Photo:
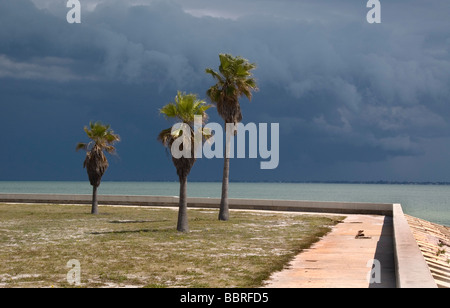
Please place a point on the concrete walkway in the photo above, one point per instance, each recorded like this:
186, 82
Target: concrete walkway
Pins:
339, 260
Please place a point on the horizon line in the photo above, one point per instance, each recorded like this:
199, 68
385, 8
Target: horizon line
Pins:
378, 182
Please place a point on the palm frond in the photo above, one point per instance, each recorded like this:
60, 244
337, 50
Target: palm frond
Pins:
185, 107
82, 146
169, 110
96, 165
165, 137
214, 74
110, 149
111, 138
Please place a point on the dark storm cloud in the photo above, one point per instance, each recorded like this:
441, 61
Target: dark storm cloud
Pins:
344, 91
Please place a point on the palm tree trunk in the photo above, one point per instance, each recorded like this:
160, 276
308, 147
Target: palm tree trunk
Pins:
94, 200
183, 225
224, 208
224, 213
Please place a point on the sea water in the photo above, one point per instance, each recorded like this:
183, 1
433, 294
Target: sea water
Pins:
429, 202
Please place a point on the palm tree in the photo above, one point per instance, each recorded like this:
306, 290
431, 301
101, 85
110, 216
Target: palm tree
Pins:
102, 139
184, 109
234, 79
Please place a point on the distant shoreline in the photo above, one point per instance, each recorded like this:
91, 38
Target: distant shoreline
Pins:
380, 182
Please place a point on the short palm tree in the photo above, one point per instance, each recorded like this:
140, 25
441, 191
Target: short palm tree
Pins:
102, 139
184, 109
234, 80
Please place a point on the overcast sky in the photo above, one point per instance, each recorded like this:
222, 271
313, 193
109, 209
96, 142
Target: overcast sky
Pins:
355, 101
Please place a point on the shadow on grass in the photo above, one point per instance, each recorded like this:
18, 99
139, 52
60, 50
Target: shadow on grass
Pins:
132, 231
134, 221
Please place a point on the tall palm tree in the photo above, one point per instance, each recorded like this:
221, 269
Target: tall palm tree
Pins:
234, 80
184, 109
102, 139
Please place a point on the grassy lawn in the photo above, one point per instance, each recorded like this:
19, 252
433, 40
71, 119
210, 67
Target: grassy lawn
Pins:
140, 247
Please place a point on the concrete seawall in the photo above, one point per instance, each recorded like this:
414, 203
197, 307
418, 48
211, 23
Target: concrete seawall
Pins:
411, 269
410, 266
249, 204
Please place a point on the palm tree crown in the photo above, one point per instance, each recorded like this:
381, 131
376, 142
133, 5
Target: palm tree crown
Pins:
102, 139
234, 79
184, 109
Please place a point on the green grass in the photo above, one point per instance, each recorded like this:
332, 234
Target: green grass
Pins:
140, 247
